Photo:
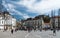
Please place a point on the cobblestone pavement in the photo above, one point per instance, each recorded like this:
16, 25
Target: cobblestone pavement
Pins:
32, 34
18, 34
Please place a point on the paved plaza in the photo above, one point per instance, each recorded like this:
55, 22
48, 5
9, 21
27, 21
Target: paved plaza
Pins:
32, 34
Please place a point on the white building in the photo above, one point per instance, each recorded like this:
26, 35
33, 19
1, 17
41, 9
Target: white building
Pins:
7, 21
55, 21
13, 23
37, 22
1, 23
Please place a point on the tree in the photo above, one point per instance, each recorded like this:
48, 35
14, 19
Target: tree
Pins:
46, 19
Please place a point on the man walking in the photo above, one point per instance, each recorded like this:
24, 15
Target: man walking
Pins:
12, 31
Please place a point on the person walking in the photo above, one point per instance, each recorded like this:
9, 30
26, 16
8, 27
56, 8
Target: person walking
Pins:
54, 32
12, 31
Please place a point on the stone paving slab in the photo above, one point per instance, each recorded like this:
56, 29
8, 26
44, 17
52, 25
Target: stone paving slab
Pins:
32, 34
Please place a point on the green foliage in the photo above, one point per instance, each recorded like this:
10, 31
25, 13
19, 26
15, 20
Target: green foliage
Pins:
46, 19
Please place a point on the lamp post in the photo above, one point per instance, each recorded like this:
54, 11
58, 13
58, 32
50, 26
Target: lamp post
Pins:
58, 19
41, 24
53, 22
4, 21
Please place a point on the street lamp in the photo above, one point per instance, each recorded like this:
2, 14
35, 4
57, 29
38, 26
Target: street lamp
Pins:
4, 21
58, 19
41, 24
53, 22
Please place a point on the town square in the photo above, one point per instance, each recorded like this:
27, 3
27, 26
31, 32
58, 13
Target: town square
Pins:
29, 18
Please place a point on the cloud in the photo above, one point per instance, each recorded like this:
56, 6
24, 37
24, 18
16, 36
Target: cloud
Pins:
42, 6
16, 12
13, 11
34, 7
21, 14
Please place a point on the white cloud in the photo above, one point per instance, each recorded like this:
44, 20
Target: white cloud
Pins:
11, 6
16, 12
21, 14
25, 16
8, 6
11, 9
40, 7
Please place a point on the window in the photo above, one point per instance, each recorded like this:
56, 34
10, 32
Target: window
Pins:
2, 22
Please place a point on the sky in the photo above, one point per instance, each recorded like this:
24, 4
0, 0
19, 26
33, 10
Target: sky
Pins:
23, 9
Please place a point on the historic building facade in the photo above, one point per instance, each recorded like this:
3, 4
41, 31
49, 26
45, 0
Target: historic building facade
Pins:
7, 21
36, 22
56, 21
